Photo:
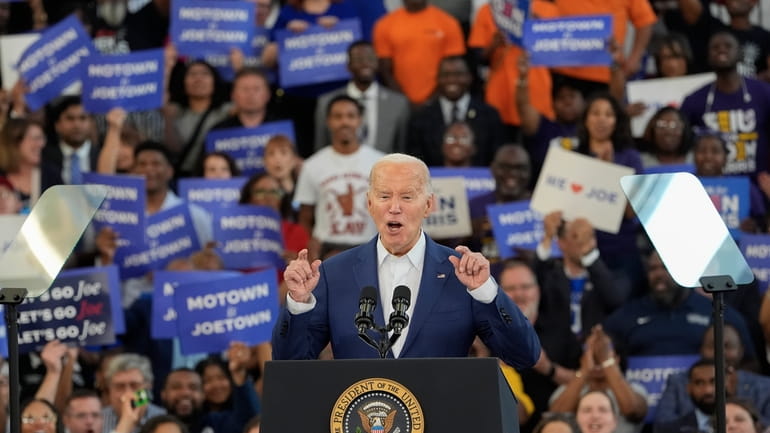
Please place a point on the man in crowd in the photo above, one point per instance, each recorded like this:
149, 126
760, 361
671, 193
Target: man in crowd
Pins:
454, 103
126, 374
331, 188
385, 112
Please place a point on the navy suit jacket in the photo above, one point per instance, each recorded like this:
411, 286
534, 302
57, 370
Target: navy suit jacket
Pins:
444, 322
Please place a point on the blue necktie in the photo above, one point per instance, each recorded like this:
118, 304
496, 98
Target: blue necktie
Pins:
76, 175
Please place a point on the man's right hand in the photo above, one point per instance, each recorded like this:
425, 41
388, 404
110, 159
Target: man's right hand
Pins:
301, 277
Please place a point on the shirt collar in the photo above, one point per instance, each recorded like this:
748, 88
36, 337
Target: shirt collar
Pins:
369, 93
462, 104
416, 255
82, 151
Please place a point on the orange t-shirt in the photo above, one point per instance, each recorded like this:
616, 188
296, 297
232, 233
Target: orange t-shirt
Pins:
504, 73
416, 43
638, 12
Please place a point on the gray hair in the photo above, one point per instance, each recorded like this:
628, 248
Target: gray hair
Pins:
402, 158
129, 361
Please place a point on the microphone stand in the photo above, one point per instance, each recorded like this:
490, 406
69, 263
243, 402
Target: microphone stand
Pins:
384, 343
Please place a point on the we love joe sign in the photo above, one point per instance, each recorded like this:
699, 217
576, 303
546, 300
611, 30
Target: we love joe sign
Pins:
581, 186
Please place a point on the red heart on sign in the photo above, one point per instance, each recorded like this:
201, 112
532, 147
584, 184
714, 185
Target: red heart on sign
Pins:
576, 187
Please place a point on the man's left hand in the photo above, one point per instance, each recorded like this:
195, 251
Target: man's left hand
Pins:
472, 269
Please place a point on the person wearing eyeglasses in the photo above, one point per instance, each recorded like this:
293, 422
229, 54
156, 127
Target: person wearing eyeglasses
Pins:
667, 139
39, 416
264, 190
458, 145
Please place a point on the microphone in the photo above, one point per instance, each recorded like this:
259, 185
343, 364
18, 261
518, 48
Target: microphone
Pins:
401, 300
367, 302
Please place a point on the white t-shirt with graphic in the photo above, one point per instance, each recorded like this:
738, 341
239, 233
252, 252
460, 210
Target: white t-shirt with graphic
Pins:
336, 185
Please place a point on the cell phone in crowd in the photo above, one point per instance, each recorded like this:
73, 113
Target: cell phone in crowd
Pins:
141, 398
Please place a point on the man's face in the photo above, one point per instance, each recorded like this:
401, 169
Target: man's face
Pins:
155, 168
362, 63
183, 393
250, 94
701, 388
733, 346
568, 104
739, 8
662, 287
519, 284
511, 170
343, 121
72, 127
123, 382
453, 79
83, 415
723, 52
398, 202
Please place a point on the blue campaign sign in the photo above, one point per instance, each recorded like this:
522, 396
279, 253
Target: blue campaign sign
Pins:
478, 180
316, 55
165, 283
247, 145
516, 226
200, 27
575, 41
756, 251
510, 16
113, 282
249, 237
54, 61
123, 209
670, 168
251, 58
651, 373
77, 308
133, 82
211, 193
730, 195
170, 234
236, 309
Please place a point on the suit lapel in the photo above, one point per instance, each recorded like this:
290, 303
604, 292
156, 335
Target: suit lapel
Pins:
435, 273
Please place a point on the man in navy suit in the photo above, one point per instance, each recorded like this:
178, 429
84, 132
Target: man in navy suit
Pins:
454, 296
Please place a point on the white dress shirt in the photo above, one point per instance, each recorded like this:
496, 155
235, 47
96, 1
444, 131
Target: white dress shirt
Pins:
84, 157
462, 108
367, 98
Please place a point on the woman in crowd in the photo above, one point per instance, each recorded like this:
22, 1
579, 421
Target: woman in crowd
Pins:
667, 139
219, 165
39, 416
199, 106
596, 413
458, 146
283, 164
229, 396
741, 417
264, 190
600, 374
673, 56
604, 132
21, 144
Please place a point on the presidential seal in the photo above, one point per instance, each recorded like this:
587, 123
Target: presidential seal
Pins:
377, 405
